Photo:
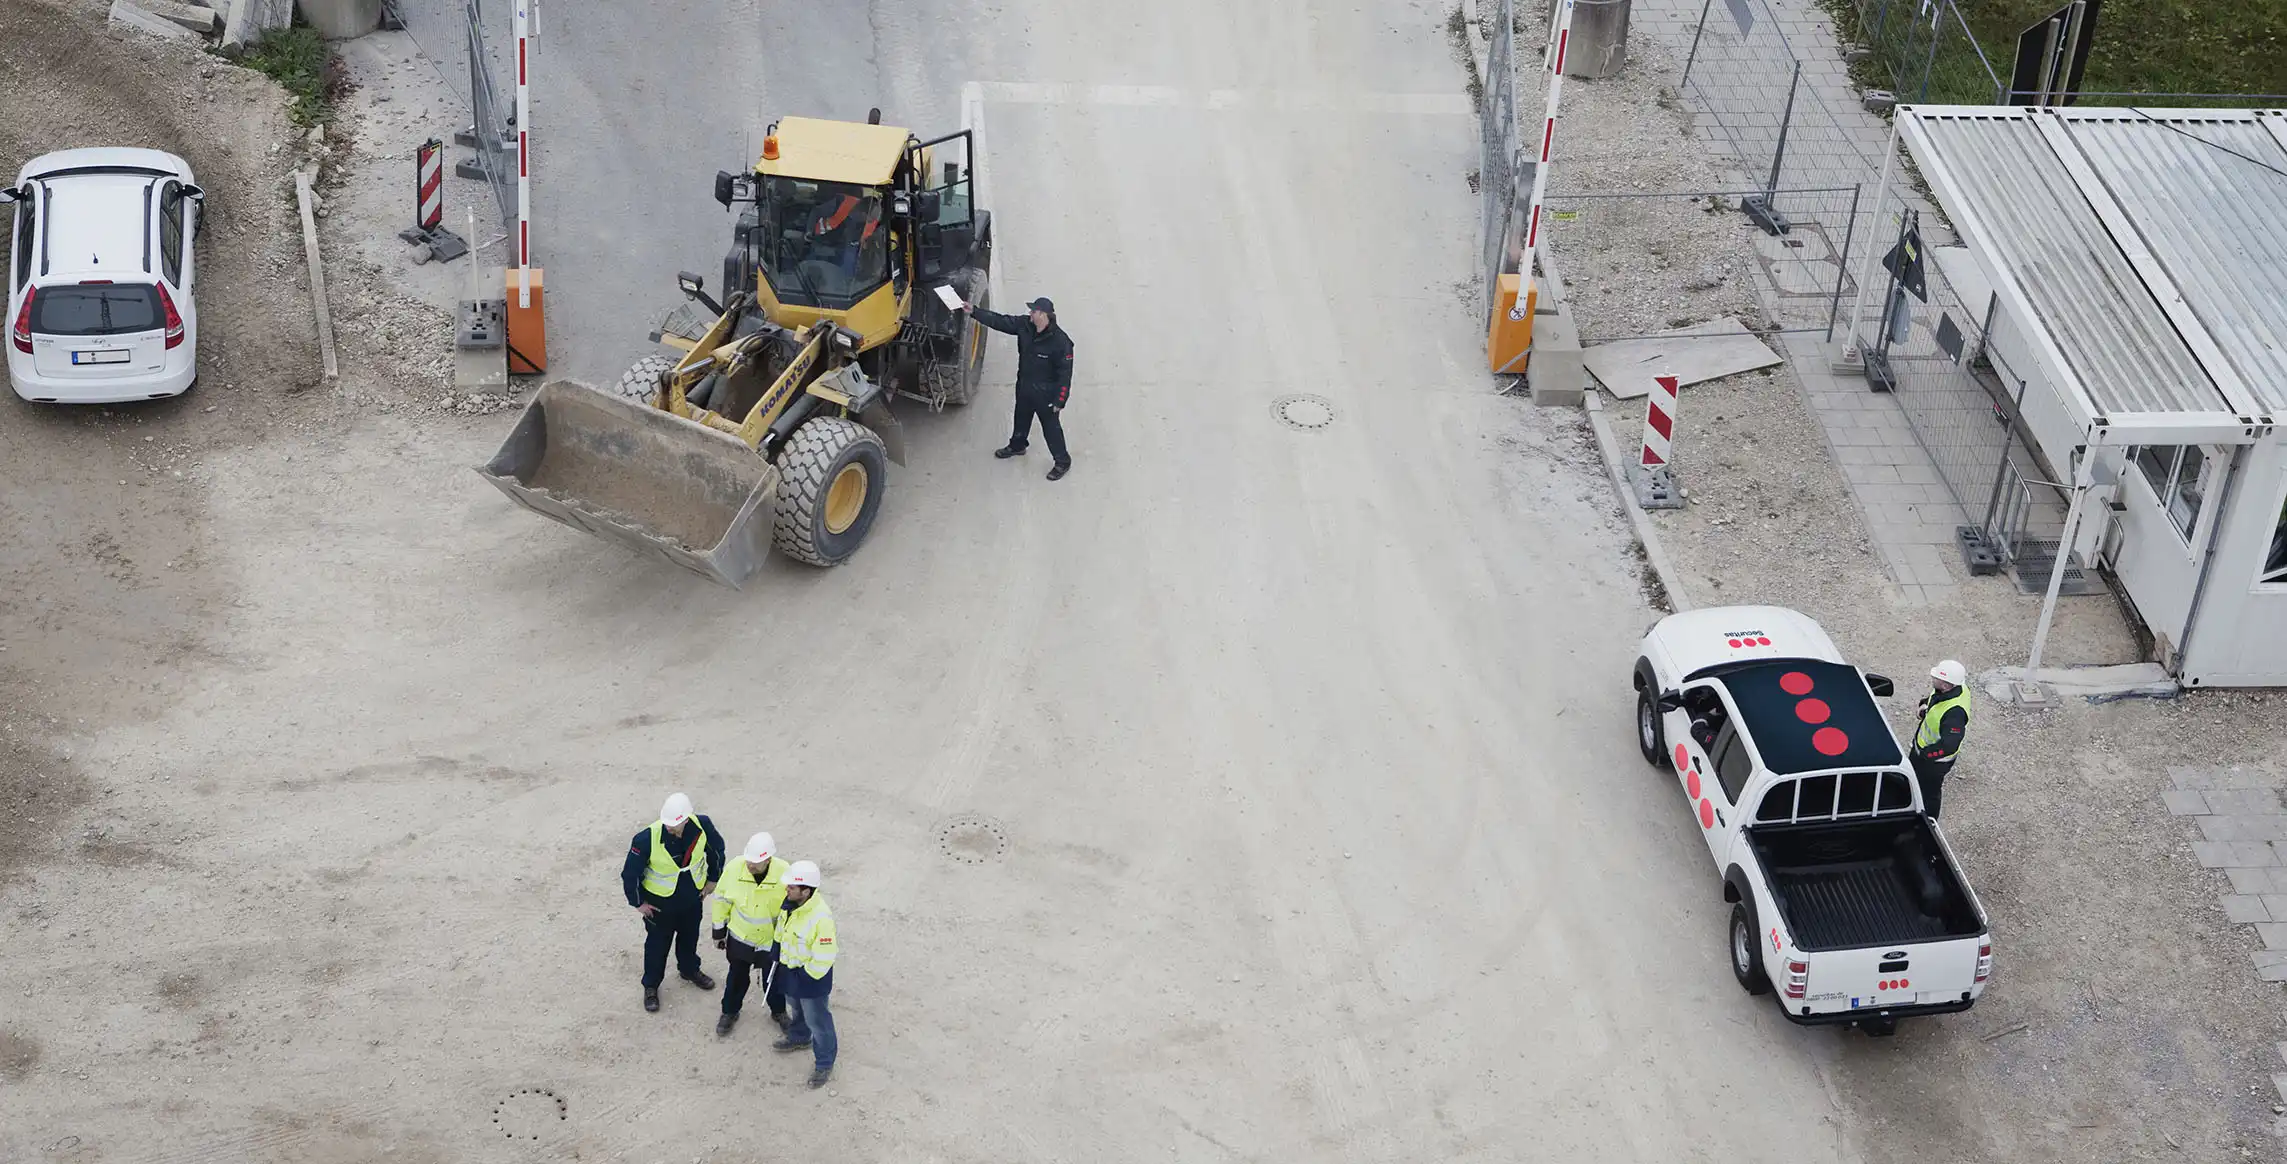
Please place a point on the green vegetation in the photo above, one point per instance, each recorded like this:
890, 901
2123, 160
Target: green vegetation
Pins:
301, 61
2141, 46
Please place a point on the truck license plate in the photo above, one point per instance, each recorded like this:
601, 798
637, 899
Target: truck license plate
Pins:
112, 356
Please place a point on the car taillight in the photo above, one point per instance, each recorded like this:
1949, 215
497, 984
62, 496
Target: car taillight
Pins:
1798, 978
174, 318
23, 332
1984, 961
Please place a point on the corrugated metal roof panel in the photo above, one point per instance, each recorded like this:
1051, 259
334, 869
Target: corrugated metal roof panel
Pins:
2127, 355
2196, 188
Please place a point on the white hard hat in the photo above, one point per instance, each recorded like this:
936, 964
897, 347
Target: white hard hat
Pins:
1950, 672
803, 873
676, 810
759, 847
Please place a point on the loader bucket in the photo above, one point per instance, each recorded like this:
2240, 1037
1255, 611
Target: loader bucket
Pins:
667, 487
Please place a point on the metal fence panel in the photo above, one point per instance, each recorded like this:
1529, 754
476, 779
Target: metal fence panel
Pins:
1643, 262
492, 133
1967, 412
1498, 148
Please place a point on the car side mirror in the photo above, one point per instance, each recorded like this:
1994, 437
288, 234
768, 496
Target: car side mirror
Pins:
7, 196
723, 192
1881, 685
191, 192
1669, 701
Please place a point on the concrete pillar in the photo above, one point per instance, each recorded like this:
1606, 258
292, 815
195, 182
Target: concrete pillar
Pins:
341, 19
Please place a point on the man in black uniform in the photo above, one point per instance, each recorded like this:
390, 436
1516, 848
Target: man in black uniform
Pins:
1043, 379
670, 868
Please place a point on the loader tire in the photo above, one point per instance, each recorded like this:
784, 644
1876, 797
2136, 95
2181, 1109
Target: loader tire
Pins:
641, 382
831, 477
955, 381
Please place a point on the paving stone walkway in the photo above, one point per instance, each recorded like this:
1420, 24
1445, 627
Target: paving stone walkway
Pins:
2243, 830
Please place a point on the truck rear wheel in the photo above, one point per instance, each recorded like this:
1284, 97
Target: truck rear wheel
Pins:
1746, 960
832, 474
1651, 737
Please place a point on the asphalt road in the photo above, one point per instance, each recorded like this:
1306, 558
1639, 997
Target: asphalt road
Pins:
1255, 793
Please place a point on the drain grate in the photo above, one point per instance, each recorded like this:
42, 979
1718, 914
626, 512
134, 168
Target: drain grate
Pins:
972, 839
1306, 412
527, 1112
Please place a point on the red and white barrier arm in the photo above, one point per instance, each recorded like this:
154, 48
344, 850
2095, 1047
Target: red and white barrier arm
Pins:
1552, 59
524, 152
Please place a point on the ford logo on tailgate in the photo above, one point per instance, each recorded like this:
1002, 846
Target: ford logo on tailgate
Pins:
1894, 954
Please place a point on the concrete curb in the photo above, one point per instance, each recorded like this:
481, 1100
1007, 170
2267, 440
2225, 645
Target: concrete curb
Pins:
1646, 535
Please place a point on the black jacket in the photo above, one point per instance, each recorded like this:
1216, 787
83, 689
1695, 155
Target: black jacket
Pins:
639, 856
1043, 358
1952, 726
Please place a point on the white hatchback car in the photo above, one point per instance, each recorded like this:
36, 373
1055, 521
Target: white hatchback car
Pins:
99, 285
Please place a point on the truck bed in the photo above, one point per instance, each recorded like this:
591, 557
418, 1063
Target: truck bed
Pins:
1851, 884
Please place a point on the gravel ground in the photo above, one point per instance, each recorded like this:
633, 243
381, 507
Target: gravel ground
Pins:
2126, 1021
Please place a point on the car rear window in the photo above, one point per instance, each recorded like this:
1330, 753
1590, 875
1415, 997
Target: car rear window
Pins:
102, 309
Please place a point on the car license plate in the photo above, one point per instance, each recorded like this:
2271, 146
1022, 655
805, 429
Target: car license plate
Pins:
110, 356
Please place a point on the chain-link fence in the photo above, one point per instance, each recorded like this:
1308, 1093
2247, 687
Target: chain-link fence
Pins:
1772, 108
1966, 405
491, 135
1639, 263
1920, 51
1498, 145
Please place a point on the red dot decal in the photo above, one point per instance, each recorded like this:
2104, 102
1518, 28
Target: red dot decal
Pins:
1683, 759
1733, 642
1762, 642
1902, 984
1691, 784
1795, 683
1812, 711
1707, 814
1830, 741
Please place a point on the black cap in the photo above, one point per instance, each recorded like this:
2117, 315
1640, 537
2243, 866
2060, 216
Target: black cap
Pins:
1042, 304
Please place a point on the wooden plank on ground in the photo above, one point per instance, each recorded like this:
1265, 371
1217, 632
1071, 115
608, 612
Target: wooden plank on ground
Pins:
308, 200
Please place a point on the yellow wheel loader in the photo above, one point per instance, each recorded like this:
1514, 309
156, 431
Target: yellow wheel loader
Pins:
767, 420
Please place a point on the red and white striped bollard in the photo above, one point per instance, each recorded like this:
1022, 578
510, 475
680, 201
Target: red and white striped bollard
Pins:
1659, 423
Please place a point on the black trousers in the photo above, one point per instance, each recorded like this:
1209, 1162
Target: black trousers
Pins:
747, 964
676, 924
1931, 775
1051, 426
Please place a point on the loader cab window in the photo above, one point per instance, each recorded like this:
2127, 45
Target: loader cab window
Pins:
823, 244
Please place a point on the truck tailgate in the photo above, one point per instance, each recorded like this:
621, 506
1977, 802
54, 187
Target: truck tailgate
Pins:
1907, 974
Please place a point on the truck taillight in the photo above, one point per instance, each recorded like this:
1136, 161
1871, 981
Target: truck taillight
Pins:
1984, 960
174, 318
23, 333
1798, 978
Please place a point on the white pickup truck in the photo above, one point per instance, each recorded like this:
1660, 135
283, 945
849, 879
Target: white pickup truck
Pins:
1843, 891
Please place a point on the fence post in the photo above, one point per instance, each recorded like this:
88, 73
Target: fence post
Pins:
1762, 207
1929, 62
1842, 260
1694, 53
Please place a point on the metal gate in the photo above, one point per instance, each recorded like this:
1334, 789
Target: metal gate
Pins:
1498, 176
492, 134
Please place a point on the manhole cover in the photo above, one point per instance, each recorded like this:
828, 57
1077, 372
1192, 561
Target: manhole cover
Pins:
1304, 412
527, 1112
972, 840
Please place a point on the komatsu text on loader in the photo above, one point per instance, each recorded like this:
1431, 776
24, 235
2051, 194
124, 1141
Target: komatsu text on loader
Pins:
769, 421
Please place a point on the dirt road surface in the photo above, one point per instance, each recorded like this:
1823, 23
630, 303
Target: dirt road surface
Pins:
1258, 792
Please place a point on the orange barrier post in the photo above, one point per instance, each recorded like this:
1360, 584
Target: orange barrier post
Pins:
527, 327
1510, 339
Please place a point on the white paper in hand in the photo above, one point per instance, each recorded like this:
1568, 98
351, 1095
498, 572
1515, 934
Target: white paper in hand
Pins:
949, 298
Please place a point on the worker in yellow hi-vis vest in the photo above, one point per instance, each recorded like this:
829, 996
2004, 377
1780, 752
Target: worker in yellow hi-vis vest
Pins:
1944, 719
746, 905
806, 955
